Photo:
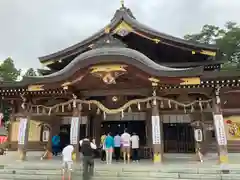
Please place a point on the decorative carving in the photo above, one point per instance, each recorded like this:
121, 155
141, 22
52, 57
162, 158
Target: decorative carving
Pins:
209, 53
108, 73
36, 87
233, 128
123, 29
108, 41
190, 81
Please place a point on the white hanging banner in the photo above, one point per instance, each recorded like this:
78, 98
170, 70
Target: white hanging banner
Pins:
74, 132
220, 130
156, 131
22, 130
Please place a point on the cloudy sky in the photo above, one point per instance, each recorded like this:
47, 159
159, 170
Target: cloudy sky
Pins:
33, 28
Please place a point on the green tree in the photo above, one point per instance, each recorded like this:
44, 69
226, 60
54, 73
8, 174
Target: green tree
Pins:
8, 71
226, 38
30, 72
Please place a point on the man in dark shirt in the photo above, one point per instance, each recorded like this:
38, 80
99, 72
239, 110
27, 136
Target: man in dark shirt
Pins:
87, 148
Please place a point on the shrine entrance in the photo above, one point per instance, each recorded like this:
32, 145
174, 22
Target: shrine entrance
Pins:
178, 134
132, 126
132, 121
178, 138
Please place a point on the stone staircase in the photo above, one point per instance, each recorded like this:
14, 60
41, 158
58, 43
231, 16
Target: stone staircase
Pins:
106, 172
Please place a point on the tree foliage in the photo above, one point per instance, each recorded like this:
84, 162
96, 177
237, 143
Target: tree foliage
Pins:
30, 72
8, 71
226, 38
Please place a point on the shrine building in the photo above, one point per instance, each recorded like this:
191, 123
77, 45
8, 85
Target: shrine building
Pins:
128, 75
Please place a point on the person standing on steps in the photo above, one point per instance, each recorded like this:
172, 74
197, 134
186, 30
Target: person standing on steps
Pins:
67, 160
109, 145
117, 146
87, 149
102, 147
125, 141
135, 147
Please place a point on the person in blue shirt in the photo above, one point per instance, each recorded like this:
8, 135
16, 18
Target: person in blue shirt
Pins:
55, 144
109, 145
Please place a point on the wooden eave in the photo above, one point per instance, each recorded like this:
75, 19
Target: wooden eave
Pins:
125, 15
191, 64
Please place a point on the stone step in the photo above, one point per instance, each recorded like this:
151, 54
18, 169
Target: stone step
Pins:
137, 169
51, 175
57, 177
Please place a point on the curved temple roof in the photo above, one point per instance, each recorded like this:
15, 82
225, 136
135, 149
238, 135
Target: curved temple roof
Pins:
116, 55
124, 14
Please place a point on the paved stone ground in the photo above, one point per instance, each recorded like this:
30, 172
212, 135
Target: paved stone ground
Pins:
170, 160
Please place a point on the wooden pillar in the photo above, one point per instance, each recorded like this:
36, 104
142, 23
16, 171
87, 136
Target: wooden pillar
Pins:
23, 136
12, 119
97, 128
75, 132
149, 127
220, 129
156, 135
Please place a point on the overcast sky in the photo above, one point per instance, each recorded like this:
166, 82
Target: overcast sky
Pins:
33, 28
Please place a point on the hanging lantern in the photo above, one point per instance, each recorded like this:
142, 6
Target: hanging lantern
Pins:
169, 104
139, 106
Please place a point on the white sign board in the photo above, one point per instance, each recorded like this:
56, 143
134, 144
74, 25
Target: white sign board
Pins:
220, 130
156, 131
74, 132
22, 130
198, 135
